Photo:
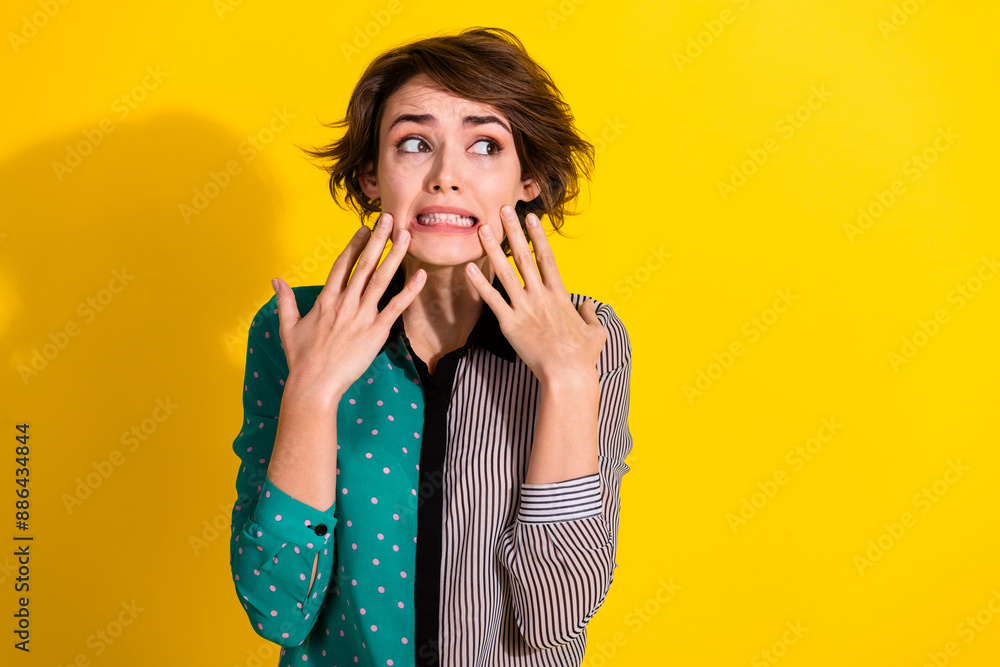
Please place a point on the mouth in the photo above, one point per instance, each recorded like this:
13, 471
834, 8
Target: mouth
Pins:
444, 222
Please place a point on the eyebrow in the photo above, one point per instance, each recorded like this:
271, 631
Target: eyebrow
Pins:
429, 119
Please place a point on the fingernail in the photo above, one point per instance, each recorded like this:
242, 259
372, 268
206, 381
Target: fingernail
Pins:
487, 232
274, 285
508, 211
531, 220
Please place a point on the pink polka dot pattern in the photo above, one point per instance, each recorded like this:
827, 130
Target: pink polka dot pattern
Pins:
364, 527
364, 555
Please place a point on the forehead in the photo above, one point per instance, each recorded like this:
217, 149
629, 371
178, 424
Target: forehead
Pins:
421, 94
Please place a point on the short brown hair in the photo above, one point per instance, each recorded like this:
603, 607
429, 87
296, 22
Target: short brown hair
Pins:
485, 65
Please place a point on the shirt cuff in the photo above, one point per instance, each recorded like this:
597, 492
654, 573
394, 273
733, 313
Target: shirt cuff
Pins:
292, 519
570, 499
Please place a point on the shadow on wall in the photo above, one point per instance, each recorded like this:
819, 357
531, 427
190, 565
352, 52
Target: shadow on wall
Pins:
111, 305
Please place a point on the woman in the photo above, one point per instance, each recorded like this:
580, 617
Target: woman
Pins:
432, 453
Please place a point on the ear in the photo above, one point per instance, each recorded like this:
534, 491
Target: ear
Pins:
369, 184
529, 189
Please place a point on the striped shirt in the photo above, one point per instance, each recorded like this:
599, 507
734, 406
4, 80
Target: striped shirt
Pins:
489, 570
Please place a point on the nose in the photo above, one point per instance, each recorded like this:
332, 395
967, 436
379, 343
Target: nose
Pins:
444, 173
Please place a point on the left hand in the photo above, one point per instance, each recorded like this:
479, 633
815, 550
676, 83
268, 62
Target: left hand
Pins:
552, 337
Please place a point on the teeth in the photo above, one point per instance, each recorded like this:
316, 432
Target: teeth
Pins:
446, 218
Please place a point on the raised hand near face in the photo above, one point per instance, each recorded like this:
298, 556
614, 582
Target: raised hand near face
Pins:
552, 337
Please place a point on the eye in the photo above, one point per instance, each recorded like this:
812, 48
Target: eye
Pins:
406, 140
497, 151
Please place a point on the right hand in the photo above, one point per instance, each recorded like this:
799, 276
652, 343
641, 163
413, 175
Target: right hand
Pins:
337, 340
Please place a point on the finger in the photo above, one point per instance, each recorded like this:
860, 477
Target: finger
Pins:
288, 310
368, 260
492, 297
384, 273
336, 281
544, 257
588, 313
501, 267
401, 301
519, 249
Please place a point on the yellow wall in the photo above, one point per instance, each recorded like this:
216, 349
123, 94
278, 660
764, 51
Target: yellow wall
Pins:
737, 142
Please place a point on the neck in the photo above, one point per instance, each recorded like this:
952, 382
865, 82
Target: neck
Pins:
448, 306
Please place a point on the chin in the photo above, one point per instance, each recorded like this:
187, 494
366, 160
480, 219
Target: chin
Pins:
444, 259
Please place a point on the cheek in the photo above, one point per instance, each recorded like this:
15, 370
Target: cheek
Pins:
399, 176
499, 233
392, 184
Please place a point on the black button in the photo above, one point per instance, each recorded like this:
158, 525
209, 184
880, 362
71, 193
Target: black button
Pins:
320, 529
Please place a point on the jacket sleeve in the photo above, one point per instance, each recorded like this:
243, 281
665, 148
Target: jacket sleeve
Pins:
275, 538
560, 551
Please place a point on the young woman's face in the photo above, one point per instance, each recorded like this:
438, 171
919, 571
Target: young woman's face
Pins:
445, 159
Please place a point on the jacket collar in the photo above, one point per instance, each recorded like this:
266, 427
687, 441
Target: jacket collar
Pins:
486, 333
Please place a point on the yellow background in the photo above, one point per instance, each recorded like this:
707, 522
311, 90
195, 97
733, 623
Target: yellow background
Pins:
669, 130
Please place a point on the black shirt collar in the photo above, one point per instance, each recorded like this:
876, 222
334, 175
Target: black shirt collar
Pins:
486, 333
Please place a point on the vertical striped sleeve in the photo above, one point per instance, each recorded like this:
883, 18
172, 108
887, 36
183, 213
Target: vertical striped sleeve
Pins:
560, 555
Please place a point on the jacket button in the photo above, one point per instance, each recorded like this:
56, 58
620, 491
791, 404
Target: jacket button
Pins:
320, 529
